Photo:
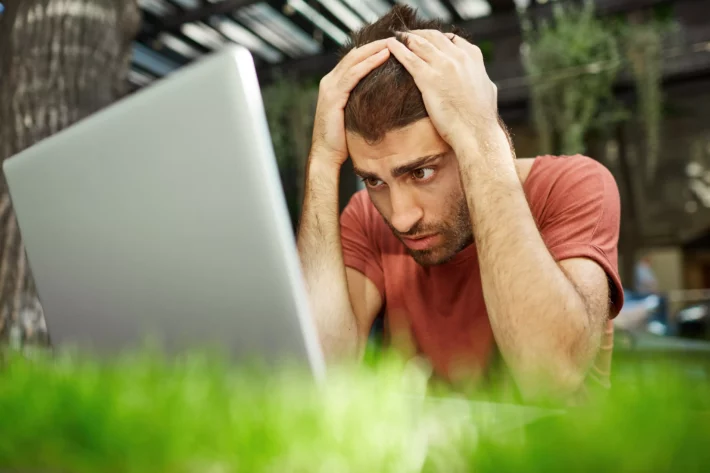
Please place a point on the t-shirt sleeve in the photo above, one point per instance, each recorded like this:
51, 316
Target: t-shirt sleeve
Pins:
361, 249
582, 218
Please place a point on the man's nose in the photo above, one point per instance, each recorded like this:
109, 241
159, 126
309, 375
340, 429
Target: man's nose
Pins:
405, 211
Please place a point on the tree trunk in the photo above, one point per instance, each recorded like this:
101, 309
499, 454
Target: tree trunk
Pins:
60, 61
630, 235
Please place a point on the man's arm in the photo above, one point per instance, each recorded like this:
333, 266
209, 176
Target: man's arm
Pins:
342, 325
547, 318
343, 301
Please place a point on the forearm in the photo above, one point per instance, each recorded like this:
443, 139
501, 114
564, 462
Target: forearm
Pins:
538, 318
321, 256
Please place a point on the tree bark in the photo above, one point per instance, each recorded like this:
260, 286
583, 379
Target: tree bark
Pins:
60, 61
630, 233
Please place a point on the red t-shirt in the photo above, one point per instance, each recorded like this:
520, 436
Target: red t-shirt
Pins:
441, 310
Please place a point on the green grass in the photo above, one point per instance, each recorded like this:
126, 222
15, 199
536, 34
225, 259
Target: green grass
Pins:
146, 413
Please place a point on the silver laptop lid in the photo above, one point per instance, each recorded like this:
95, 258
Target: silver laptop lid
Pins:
164, 215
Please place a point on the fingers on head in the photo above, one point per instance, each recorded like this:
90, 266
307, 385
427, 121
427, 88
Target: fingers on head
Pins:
360, 70
423, 45
406, 56
361, 53
350, 78
358, 63
453, 45
471, 49
435, 37
402, 37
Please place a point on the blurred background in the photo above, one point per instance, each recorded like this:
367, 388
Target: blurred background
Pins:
626, 82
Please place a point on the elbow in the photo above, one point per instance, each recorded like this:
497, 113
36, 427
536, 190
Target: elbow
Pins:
342, 344
340, 348
553, 370
557, 372
555, 378
558, 384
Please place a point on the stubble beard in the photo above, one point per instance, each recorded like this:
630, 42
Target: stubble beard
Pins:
457, 235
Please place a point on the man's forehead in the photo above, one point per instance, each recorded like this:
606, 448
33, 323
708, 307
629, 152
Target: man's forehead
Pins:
416, 139
376, 155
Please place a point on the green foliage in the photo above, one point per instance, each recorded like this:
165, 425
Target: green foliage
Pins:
487, 50
290, 109
663, 13
145, 414
572, 64
643, 47
198, 413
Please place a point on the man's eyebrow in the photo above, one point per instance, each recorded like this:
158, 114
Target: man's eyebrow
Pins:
403, 169
364, 174
417, 163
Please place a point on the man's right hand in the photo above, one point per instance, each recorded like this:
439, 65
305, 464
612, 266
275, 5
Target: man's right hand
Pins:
329, 146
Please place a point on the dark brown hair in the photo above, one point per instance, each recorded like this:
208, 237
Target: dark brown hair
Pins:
387, 98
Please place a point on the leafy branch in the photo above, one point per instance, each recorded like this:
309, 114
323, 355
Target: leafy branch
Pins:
572, 63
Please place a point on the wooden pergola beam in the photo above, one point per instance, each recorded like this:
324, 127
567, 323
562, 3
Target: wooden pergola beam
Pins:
492, 27
202, 13
498, 6
502, 8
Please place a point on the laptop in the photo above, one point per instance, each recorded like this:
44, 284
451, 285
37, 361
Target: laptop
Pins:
163, 215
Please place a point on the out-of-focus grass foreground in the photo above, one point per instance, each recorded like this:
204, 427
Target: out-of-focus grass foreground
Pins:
199, 413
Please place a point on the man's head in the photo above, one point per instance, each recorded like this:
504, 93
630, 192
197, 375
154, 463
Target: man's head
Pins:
411, 174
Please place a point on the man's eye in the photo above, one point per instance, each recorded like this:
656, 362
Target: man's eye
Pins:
372, 182
423, 174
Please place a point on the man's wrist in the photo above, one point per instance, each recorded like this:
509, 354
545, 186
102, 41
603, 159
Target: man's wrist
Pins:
320, 165
484, 149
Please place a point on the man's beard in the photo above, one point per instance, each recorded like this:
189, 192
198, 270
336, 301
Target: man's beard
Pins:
456, 235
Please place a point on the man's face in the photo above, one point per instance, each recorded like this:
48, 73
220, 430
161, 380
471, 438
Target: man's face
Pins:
413, 179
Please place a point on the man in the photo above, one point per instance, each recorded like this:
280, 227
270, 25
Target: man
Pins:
467, 250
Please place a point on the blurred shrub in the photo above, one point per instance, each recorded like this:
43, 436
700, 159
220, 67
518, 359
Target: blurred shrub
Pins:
198, 413
572, 63
290, 110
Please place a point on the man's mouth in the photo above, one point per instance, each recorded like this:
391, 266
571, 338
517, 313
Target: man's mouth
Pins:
423, 242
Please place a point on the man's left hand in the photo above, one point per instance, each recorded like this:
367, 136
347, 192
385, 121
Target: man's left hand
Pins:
449, 72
